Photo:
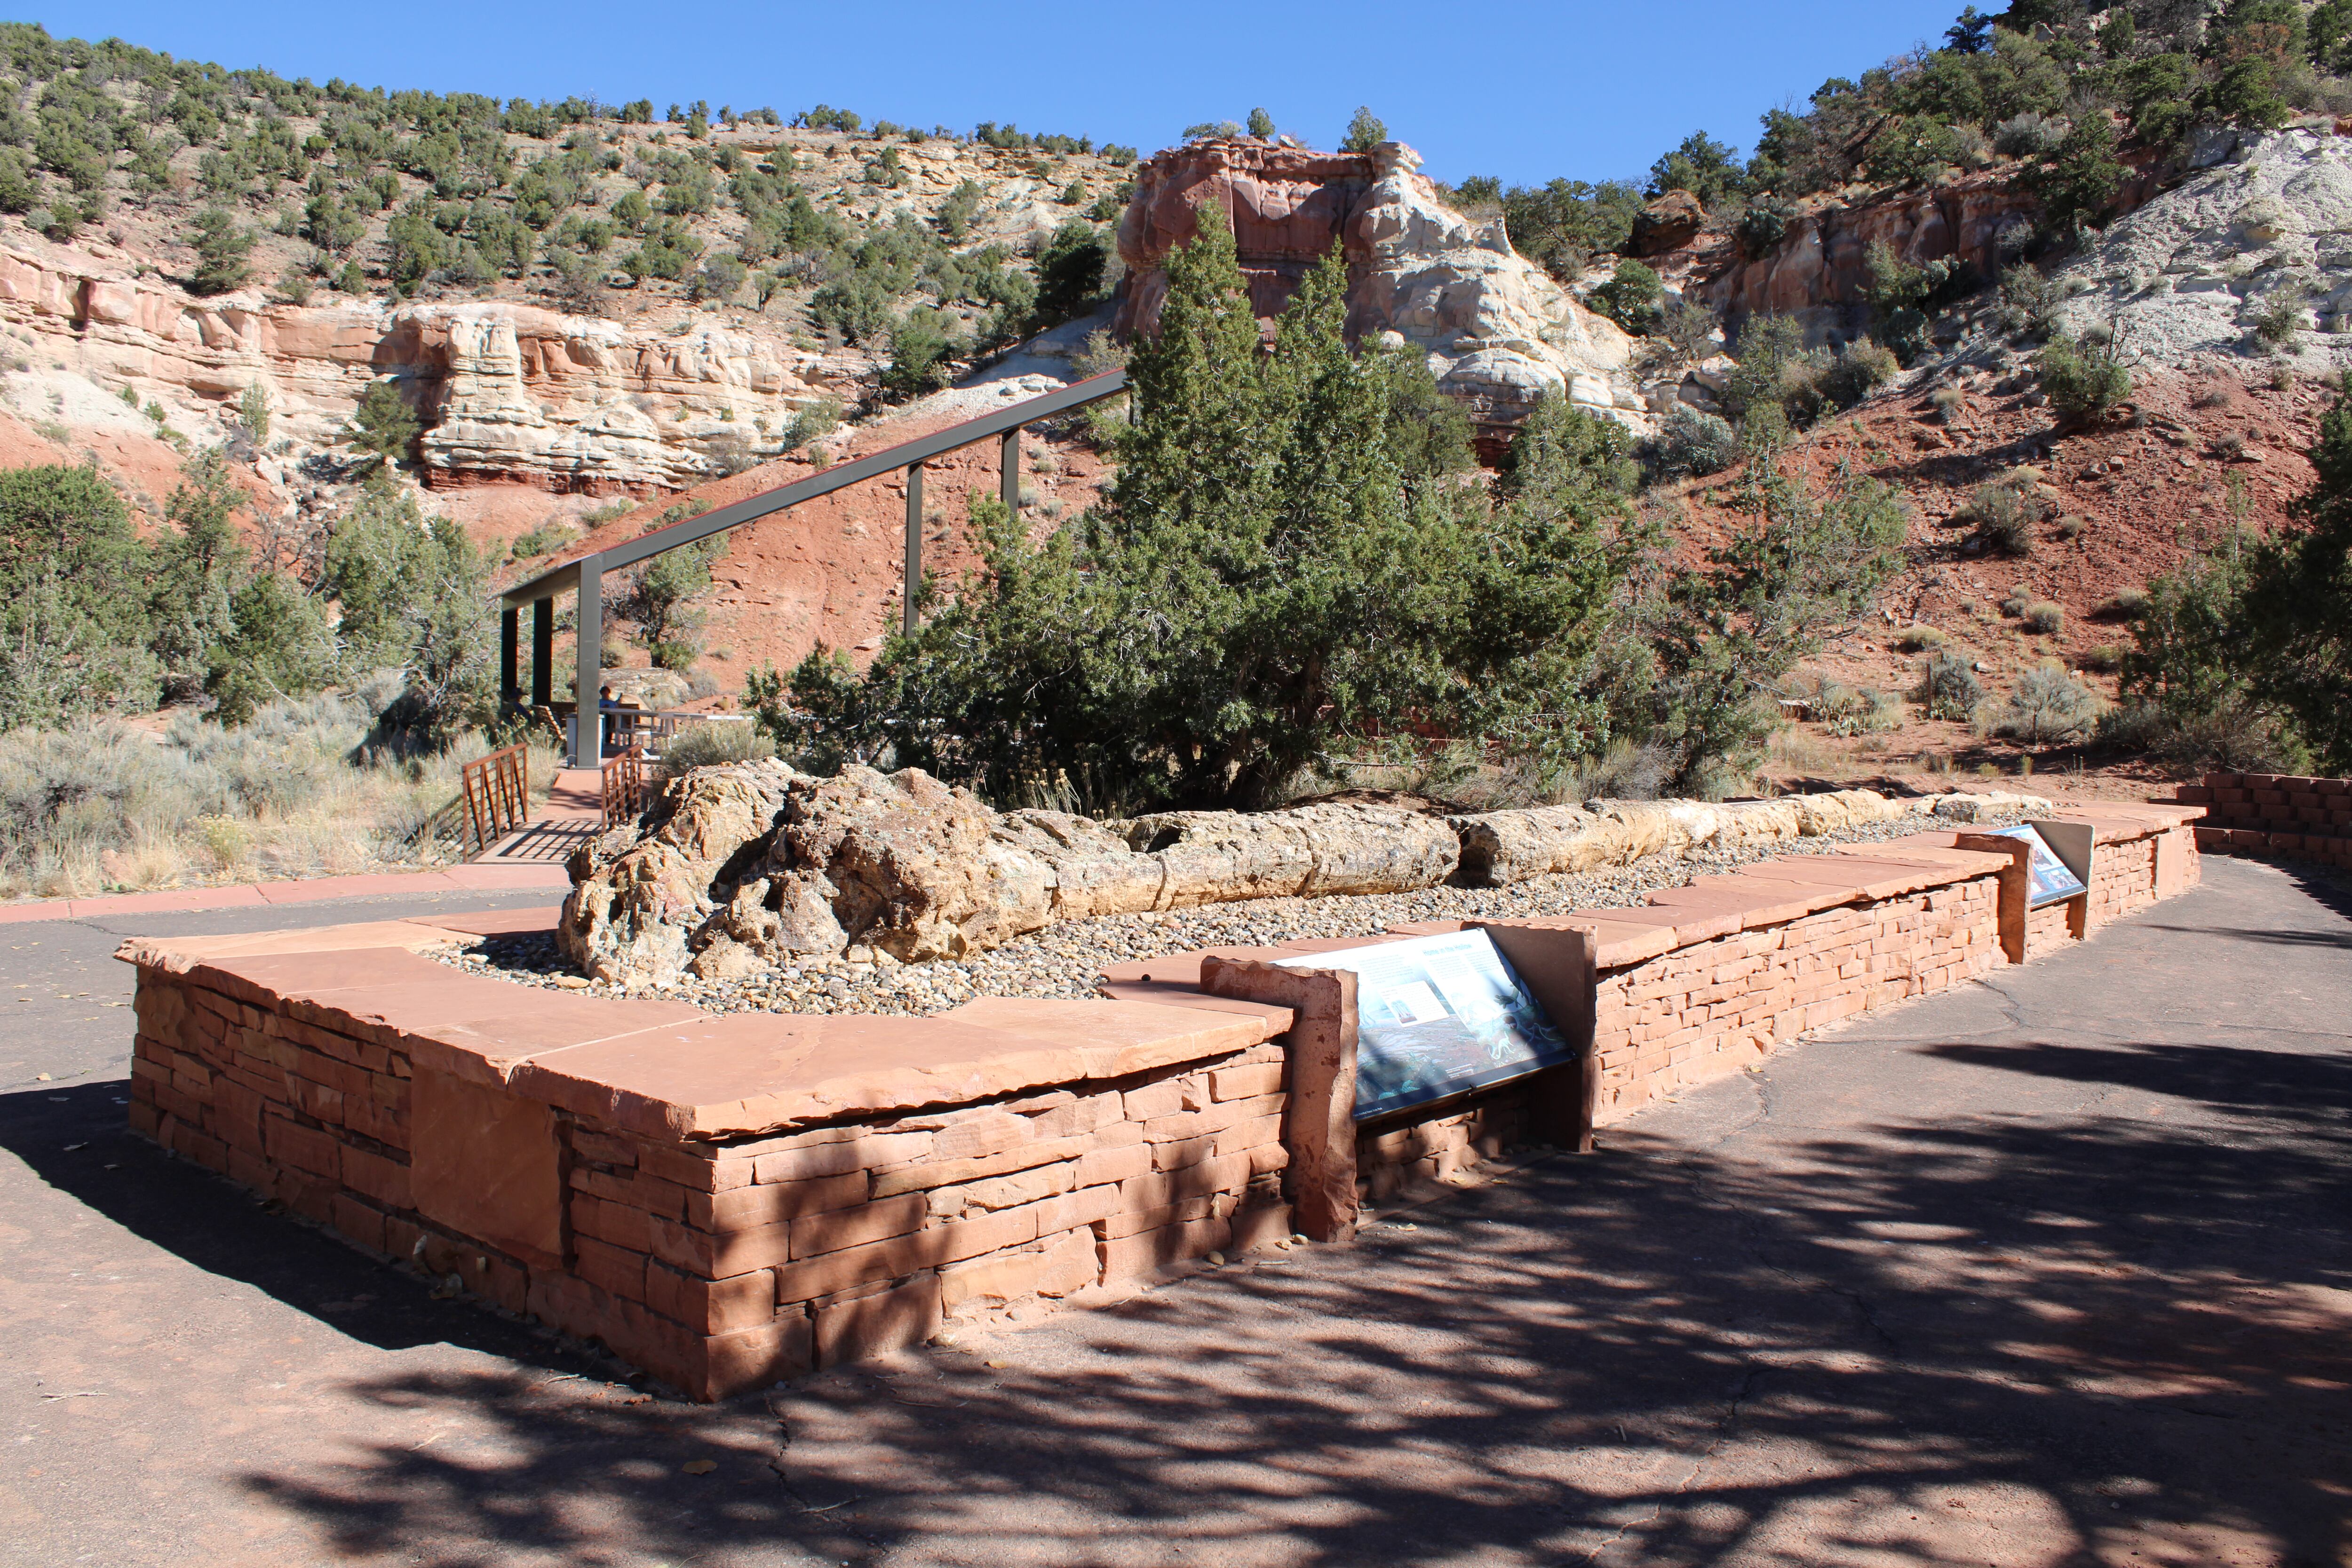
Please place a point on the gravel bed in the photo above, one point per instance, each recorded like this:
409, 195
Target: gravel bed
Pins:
1065, 960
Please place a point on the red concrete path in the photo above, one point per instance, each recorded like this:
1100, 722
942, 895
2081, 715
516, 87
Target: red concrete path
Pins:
470, 879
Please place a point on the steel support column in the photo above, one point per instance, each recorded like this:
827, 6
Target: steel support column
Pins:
1008, 470
509, 654
588, 667
543, 652
914, 547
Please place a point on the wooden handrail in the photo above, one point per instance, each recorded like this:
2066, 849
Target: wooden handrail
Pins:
624, 786
496, 791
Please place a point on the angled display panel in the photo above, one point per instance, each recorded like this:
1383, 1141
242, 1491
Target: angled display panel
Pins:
2054, 882
1436, 1015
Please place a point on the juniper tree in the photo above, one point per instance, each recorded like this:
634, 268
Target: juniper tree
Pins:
221, 247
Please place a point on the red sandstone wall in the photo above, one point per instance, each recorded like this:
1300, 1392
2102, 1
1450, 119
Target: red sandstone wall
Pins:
2275, 814
723, 1266
1708, 1009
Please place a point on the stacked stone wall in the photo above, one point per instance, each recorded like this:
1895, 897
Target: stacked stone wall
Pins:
720, 1266
2275, 814
695, 1195
1704, 1010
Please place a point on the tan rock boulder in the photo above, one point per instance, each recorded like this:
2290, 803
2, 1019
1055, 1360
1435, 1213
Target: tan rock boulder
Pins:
1668, 224
737, 868
640, 894
1312, 851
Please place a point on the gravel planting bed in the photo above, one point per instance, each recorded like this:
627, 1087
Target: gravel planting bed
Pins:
1065, 960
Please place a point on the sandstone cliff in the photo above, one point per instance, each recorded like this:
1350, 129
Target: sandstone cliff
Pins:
1497, 329
2261, 225
508, 392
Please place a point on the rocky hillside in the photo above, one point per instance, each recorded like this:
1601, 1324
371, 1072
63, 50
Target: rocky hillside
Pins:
2223, 294
573, 300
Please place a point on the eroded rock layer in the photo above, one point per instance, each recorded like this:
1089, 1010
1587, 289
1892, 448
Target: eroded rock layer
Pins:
508, 392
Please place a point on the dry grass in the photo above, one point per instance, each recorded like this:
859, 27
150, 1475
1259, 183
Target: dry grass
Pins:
105, 806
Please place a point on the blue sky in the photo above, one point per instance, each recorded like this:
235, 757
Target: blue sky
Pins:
1527, 91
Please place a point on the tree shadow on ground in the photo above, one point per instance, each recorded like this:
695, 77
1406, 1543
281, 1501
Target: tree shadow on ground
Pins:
1993, 1336
74, 1138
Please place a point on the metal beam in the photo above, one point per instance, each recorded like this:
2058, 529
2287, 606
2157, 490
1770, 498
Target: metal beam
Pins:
543, 652
588, 666
1008, 471
998, 422
509, 654
914, 579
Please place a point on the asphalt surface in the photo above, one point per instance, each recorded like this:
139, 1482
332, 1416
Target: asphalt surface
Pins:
2056, 1271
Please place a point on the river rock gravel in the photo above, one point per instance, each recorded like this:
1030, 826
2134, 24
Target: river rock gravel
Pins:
1067, 960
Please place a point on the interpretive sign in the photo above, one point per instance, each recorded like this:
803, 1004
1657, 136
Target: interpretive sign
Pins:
1436, 1015
2052, 882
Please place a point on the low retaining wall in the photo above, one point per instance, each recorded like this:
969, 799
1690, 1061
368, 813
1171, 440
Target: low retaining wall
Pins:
2275, 814
726, 1201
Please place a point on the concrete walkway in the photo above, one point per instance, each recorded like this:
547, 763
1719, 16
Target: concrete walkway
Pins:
2052, 1271
472, 879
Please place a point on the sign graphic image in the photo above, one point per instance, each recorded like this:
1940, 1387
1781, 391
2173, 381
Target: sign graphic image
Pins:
2051, 881
1436, 1015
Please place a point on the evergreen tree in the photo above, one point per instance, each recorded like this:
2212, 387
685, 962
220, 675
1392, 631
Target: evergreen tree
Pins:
1365, 131
199, 566
221, 247
381, 425
1264, 591
2295, 619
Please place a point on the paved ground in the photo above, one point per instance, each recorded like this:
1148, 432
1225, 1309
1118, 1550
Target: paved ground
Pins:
2052, 1271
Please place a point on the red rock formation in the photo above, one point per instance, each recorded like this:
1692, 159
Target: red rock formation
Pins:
1286, 206
1498, 331
1668, 224
1821, 260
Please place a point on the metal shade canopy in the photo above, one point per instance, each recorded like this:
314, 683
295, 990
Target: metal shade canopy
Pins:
584, 574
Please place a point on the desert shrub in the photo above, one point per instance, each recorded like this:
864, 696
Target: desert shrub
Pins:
1768, 346
1949, 403
550, 537
2125, 604
296, 791
1948, 688
2280, 321
2029, 301
1860, 368
2073, 525
923, 348
1903, 295
2005, 512
1847, 711
2014, 603
715, 741
2044, 615
1631, 297
2047, 706
1691, 445
2082, 380
1921, 640
2103, 659
2029, 135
